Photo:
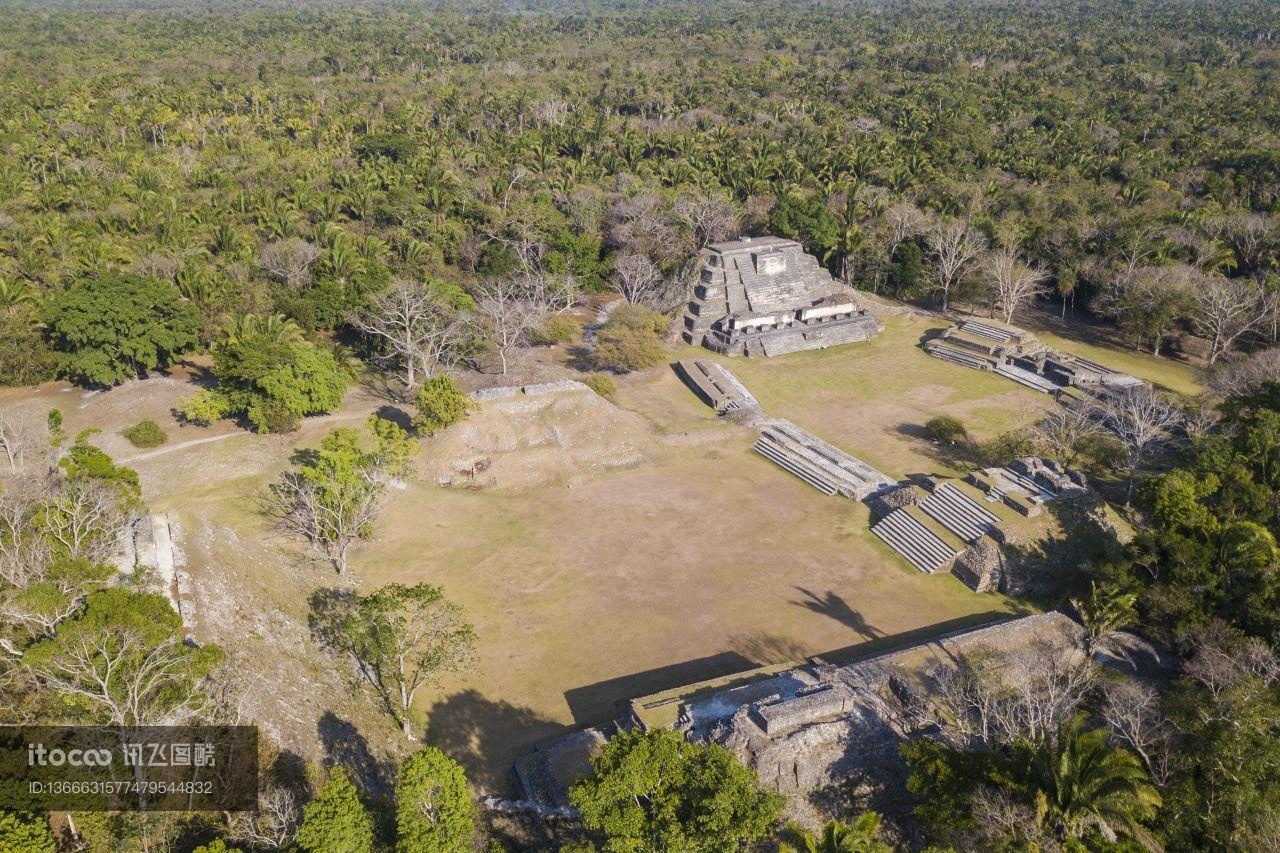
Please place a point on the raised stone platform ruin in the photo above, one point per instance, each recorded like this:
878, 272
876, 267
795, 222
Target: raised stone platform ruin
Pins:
812, 725
953, 525
766, 296
824, 466
716, 386
1016, 354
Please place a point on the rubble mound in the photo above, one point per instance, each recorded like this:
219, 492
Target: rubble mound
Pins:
525, 441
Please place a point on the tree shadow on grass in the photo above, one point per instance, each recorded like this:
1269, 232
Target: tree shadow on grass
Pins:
835, 607
768, 649
960, 455
344, 746
484, 736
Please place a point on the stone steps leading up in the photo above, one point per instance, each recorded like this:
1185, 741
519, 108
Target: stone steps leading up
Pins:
995, 333
959, 513
956, 356
823, 465
1026, 377
915, 542
799, 467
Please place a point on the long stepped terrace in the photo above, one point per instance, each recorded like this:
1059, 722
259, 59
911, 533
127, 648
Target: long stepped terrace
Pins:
825, 467
959, 513
912, 533
1017, 355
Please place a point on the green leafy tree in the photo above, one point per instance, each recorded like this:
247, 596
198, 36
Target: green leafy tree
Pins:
402, 639
433, 805
110, 328
656, 791
269, 373
25, 833
1079, 783
337, 820
122, 660
440, 404
1106, 611
861, 836
335, 495
631, 339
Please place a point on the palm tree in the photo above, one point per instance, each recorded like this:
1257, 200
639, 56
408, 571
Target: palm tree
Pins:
15, 293
1080, 782
861, 836
1105, 612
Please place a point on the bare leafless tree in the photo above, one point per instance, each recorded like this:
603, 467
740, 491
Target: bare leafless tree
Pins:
289, 260
24, 552
86, 518
1142, 420
275, 822
709, 218
953, 246
1251, 235
637, 278
15, 441
993, 698
1223, 658
1013, 281
1231, 377
421, 330
1065, 432
1132, 712
1224, 309
508, 309
642, 223
328, 509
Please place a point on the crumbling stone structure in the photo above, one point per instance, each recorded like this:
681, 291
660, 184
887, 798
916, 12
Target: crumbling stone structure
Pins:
954, 525
766, 296
1016, 354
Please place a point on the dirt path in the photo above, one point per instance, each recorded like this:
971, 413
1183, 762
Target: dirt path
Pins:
169, 448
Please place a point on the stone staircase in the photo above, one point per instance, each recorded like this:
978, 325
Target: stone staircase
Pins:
909, 536
955, 356
825, 467
959, 513
1025, 377
984, 330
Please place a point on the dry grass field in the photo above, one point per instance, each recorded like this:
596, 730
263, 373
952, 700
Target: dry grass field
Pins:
593, 574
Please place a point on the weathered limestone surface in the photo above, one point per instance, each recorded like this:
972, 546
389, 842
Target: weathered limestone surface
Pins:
1016, 354
716, 386
766, 296
820, 723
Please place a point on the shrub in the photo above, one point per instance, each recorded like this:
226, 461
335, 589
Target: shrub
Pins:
145, 434
945, 430
631, 339
441, 404
1006, 446
601, 383
624, 350
203, 408
637, 317
556, 330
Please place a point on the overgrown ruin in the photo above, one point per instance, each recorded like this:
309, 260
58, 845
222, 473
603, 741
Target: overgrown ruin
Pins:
1016, 354
766, 296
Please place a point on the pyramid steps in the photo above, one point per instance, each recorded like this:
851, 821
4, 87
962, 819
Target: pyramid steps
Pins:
956, 356
1027, 378
910, 537
959, 513
794, 465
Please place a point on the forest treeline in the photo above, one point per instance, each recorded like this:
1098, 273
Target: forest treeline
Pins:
262, 160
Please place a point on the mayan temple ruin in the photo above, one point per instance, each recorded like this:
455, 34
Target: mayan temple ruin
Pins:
1016, 354
766, 296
